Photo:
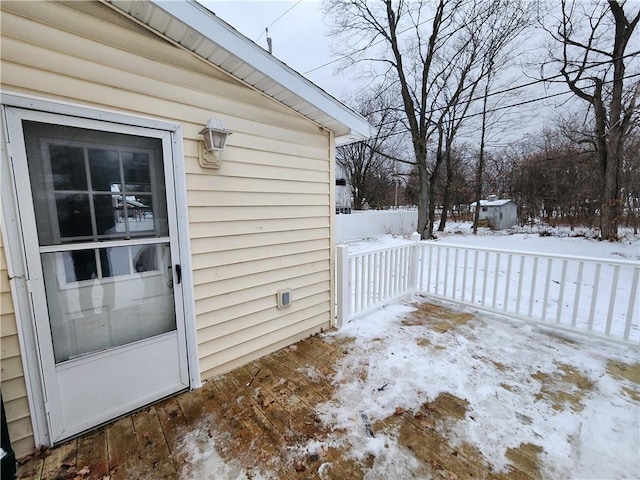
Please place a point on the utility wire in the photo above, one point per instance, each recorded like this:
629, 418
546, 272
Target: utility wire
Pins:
504, 107
374, 43
287, 11
531, 83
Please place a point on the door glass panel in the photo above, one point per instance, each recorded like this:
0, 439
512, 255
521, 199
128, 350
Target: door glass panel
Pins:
136, 172
90, 187
84, 192
95, 305
104, 166
106, 214
145, 258
115, 261
140, 217
74, 216
80, 265
67, 168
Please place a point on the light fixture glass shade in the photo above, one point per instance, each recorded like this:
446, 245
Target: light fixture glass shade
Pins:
215, 134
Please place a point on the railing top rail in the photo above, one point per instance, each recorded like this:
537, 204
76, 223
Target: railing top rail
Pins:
632, 263
379, 249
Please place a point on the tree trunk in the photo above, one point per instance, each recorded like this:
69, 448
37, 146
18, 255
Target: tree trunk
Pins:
611, 195
446, 198
423, 201
480, 170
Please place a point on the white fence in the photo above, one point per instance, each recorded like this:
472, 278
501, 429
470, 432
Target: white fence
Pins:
371, 223
596, 297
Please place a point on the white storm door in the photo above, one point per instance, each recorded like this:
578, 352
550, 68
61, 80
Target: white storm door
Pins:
99, 227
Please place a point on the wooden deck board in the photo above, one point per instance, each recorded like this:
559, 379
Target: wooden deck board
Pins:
262, 418
154, 454
60, 461
92, 455
122, 447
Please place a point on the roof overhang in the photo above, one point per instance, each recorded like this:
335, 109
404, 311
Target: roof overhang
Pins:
199, 30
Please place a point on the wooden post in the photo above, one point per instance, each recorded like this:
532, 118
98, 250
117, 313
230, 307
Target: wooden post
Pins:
343, 285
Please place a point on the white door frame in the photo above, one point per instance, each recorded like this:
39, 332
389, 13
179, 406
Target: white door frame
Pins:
16, 253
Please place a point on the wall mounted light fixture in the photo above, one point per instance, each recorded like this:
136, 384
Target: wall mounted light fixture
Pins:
215, 138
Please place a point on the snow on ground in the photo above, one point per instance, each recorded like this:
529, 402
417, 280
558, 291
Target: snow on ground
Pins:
560, 241
202, 461
499, 368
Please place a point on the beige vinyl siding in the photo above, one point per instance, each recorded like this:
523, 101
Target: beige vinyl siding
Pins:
14, 391
259, 224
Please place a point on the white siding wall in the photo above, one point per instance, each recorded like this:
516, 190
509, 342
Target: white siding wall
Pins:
259, 224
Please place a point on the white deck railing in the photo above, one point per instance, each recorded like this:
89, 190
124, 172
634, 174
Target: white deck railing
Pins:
593, 296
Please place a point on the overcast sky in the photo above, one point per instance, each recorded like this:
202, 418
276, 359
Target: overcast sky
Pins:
299, 38
298, 35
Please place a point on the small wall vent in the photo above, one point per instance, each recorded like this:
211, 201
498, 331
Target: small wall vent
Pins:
284, 298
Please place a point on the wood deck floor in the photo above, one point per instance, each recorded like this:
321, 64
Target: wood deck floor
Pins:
255, 416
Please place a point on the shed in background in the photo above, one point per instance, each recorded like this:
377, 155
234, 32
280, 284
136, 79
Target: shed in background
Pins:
496, 213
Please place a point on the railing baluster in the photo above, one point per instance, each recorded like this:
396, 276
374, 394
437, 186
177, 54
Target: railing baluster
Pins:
534, 276
563, 279
464, 274
632, 302
356, 285
496, 275
475, 276
547, 284
594, 296
396, 275
387, 265
407, 268
520, 281
392, 272
351, 289
446, 269
438, 269
484, 282
421, 258
507, 284
403, 276
375, 277
455, 273
429, 268
612, 298
372, 279
365, 281
576, 300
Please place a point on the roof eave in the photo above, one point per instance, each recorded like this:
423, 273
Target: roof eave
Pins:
318, 105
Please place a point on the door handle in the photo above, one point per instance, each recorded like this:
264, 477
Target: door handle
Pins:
178, 273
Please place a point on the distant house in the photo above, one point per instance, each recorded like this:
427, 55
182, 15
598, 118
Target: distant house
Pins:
135, 262
498, 214
343, 190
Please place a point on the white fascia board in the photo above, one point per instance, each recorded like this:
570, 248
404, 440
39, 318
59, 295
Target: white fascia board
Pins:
207, 24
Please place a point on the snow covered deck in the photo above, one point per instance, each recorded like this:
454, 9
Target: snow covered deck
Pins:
412, 391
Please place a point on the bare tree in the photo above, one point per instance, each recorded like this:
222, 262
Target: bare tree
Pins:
367, 163
594, 38
431, 56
